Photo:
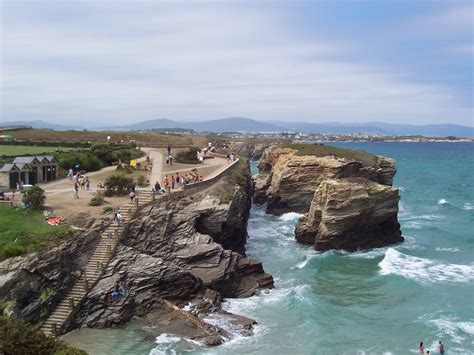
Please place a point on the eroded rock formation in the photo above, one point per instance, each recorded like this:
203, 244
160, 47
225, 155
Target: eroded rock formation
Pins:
346, 195
351, 214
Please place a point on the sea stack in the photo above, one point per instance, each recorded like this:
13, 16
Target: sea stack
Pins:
346, 195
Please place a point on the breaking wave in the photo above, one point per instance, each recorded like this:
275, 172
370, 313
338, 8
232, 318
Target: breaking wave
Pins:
424, 270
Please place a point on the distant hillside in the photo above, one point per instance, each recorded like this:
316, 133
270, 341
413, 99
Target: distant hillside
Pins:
434, 130
40, 125
233, 124
240, 124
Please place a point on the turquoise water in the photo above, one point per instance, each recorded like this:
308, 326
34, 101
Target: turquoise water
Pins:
384, 301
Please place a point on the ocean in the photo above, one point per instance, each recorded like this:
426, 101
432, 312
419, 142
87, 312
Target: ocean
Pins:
383, 301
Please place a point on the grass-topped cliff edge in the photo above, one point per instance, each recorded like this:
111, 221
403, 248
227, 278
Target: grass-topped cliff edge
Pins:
321, 150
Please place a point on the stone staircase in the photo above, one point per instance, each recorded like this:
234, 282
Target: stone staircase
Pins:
67, 307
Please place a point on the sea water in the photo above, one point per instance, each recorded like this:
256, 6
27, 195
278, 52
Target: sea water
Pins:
383, 301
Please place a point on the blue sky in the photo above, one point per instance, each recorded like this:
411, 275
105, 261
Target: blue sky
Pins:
102, 62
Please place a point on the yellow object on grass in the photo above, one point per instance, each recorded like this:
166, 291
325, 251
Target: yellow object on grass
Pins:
133, 163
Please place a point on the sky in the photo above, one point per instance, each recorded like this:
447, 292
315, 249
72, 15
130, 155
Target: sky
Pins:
118, 62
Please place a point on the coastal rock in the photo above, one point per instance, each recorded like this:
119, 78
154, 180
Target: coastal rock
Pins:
35, 283
170, 258
287, 180
351, 214
250, 150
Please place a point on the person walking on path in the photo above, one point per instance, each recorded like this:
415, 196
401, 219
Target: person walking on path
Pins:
132, 196
170, 159
441, 347
88, 183
76, 190
173, 181
117, 219
421, 349
70, 174
169, 149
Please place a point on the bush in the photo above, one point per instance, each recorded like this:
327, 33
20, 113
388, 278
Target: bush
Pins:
117, 184
141, 181
107, 209
34, 197
96, 201
188, 156
18, 337
85, 159
12, 249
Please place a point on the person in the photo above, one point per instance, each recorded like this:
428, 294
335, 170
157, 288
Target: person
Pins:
132, 196
18, 186
228, 158
133, 187
422, 349
427, 352
173, 181
70, 174
117, 218
88, 183
157, 187
166, 182
232, 157
170, 158
169, 149
177, 178
76, 190
441, 347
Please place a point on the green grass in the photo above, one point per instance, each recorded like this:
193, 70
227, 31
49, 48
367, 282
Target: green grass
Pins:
14, 150
23, 231
320, 150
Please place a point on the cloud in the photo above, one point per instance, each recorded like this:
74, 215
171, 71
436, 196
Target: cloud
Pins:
127, 63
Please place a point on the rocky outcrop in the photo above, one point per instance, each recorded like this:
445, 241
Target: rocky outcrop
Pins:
252, 151
35, 283
287, 180
346, 195
169, 259
351, 214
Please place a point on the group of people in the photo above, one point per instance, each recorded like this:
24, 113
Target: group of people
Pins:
440, 348
80, 182
117, 292
230, 158
176, 179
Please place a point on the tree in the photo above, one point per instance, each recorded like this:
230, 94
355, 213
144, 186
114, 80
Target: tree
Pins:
117, 184
34, 197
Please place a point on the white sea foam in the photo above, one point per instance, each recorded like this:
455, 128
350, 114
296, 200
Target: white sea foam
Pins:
450, 250
165, 344
291, 216
468, 206
442, 201
424, 270
450, 326
370, 254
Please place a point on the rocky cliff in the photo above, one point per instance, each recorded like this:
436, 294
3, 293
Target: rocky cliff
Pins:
33, 284
176, 262
174, 256
346, 195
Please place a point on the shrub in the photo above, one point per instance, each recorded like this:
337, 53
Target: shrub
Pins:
18, 337
141, 181
117, 184
96, 201
107, 209
34, 197
188, 156
12, 249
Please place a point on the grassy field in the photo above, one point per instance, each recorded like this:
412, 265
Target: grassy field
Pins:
320, 150
23, 231
144, 139
14, 150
